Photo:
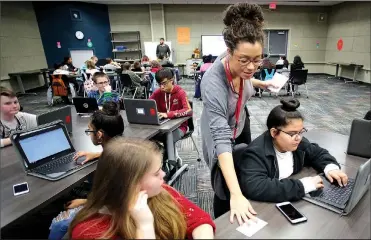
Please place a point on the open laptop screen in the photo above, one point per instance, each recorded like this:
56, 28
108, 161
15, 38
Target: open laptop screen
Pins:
45, 144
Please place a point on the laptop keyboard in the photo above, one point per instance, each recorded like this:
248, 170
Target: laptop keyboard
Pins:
335, 195
51, 167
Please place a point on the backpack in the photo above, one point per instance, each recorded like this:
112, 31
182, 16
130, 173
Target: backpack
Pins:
58, 87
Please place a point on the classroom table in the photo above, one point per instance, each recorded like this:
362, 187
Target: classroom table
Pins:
19, 75
355, 65
322, 223
43, 191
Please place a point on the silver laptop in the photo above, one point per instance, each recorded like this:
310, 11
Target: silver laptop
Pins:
47, 151
360, 138
342, 199
143, 111
63, 114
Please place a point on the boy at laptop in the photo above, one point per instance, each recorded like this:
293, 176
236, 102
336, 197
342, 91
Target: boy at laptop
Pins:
11, 118
172, 102
104, 92
264, 166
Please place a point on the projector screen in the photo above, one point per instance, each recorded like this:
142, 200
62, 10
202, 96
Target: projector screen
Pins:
213, 44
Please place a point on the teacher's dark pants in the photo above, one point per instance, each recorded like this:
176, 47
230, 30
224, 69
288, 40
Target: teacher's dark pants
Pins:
223, 206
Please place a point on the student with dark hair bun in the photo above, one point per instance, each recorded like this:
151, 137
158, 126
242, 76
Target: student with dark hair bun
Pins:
264, 166
225, 89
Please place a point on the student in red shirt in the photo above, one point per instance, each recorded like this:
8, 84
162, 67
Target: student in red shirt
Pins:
172, 102
129, 199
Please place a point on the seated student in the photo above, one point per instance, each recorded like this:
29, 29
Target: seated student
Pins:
172, 101
266, 63
145, 61
129, 199
264, 166
135, 79
111, 64
137, 67
94, 59
281, 60
155, 66
207, 63
104, 92
104, 125
91, 68
11, 119
164, 61
67, 65
297, 63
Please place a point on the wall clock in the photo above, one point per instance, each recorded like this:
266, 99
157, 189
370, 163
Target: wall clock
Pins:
79, 35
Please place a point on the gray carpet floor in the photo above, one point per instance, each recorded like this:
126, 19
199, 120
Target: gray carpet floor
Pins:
331, 106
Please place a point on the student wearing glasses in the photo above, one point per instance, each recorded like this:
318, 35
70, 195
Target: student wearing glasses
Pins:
172, 102
264, 166
225, 89
104, 126
104, 92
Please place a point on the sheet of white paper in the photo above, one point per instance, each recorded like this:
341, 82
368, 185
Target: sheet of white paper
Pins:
279, 80
250, 228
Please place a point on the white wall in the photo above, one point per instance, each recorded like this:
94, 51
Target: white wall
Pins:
20, 44
351, 22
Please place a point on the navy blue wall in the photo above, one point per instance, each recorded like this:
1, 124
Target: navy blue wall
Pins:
56, 25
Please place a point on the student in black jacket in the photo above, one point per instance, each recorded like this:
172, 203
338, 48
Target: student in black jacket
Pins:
264, 166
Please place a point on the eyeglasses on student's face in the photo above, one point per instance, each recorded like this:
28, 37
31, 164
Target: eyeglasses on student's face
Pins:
164, 83
102, 83
88, 131
294, 135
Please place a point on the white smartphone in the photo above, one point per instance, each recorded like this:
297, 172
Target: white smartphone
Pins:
291, 213
20, 188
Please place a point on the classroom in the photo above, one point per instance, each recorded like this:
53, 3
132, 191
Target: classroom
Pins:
173, 119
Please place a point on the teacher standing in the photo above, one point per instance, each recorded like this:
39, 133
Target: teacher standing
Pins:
163, 49
226, 87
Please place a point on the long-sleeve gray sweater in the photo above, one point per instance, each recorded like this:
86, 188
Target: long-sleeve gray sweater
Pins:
218, 116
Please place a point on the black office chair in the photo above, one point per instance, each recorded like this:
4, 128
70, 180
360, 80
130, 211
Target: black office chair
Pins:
188, 134
298, 77
127, 85
280, 66
360, 138
169, 65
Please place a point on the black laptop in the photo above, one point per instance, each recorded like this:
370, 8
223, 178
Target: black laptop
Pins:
63, 114
85, 105
47, 151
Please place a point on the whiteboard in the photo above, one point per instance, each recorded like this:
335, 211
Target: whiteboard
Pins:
213, 44
150, 50
79, 57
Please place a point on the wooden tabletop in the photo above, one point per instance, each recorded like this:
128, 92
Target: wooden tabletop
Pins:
322, 223
43, 191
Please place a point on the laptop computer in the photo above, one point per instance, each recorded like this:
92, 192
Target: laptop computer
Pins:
85, 105
342, 199
52, 161
360, 138
63, 114
143, 111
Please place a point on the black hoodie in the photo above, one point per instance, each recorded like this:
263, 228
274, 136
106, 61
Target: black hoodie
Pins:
258, 173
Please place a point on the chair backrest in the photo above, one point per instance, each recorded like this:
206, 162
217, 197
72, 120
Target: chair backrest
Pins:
279, 66
298, 76
191, 126
126, 80
169, 65
360, 138
267, 74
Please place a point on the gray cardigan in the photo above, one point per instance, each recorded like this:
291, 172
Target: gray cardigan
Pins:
218, 117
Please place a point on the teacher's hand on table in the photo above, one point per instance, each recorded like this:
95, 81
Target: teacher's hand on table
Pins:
241, 208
